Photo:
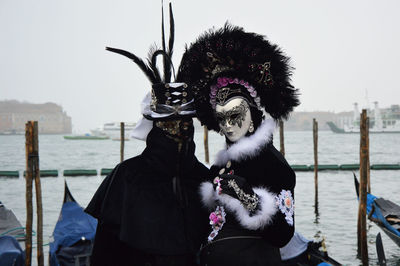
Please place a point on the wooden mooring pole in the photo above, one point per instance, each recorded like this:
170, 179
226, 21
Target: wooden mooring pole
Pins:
206, 152
28, 193
362, 208
122, 140
33, 172
281, 137
315, 139
368, 163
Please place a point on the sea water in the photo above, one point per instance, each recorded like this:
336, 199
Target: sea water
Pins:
336, 221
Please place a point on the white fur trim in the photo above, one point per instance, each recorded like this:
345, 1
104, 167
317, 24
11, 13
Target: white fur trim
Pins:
207, 194
262, 217
248, 147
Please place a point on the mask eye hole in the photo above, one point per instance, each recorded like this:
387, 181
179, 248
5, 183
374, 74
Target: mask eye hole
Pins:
234, 116
220, 118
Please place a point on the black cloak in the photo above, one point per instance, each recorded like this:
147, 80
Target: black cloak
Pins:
149, 205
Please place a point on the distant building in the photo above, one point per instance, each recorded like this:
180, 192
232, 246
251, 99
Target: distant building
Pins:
50, 116
303, 120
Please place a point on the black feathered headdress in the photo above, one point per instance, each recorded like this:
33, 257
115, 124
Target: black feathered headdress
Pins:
228, 62
169, 100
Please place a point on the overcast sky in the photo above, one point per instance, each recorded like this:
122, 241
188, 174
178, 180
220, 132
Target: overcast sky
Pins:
53, 51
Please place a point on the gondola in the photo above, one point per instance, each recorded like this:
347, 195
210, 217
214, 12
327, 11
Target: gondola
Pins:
11, 232
384, 213
9, 224
380, 250
73, 235
301, 251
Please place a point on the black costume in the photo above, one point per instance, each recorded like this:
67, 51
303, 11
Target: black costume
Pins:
251, 186
142, 216
252, 239
148, 208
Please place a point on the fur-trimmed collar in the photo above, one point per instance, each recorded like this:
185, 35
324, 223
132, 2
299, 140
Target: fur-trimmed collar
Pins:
248, 147
261, 218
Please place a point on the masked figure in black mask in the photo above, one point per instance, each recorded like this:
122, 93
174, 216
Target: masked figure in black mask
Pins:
148, 208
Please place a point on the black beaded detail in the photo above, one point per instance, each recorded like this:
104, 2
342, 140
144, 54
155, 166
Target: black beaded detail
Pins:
250, 202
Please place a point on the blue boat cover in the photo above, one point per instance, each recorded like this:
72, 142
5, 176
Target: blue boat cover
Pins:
370, 201
11, 252
378, 214
73, 225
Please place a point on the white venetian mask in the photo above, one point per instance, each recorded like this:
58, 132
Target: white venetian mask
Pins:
234, 118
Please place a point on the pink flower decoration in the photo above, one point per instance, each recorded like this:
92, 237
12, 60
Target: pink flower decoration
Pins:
214, 218
223, 83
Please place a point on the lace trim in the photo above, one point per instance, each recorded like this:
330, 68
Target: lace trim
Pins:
285, 203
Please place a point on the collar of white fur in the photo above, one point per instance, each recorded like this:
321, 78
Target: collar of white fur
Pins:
248, 147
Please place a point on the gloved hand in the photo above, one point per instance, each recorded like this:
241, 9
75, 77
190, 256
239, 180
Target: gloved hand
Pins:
238, 188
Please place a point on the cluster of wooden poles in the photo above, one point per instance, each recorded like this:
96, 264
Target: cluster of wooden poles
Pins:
33, 173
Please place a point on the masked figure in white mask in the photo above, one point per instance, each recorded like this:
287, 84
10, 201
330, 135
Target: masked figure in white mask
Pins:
234, 119
242, 88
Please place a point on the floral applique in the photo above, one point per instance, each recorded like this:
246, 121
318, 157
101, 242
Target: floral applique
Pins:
217, 181
217, 220
285, 203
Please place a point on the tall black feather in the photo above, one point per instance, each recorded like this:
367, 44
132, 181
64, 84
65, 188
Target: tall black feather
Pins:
142, 65
152, 59
167, 73
165, 55
171, 34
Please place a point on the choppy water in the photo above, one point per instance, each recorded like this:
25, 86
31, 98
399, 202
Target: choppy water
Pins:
337, 220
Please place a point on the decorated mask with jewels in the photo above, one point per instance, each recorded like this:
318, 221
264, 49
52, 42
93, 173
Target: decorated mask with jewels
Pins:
179, 130
234, 118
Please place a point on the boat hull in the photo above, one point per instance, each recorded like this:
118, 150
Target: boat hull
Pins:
73, 234
334, 128
378, 209
86, 137
394, 237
